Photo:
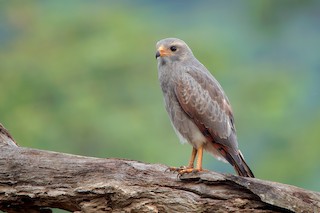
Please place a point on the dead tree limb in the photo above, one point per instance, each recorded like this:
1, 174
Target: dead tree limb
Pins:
35, 180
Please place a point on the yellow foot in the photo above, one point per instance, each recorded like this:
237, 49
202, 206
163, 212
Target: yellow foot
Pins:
188, 170
177, 169
183, 170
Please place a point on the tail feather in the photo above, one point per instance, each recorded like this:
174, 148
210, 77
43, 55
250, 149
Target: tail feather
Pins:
239, 164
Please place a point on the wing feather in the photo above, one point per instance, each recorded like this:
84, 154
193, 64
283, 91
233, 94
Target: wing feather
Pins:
203, 99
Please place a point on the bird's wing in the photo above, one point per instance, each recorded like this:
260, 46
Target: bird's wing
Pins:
203, 99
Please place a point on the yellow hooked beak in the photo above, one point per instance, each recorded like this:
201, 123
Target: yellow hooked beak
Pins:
162, 51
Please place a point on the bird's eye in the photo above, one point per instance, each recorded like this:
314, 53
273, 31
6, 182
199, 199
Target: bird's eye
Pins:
173, 48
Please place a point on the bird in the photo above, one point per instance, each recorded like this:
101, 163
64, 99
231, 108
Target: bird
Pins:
198, 108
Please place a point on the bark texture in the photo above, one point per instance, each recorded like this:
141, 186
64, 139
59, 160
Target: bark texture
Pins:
35, 180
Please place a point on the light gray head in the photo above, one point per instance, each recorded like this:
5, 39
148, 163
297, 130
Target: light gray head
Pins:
172, 50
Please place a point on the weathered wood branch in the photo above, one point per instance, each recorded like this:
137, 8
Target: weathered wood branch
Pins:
35, 180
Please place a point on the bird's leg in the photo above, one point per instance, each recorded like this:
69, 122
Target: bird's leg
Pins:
199, 160
190, 165
193, 156
190, 168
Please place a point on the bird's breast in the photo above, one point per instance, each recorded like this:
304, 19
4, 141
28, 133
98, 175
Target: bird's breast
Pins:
184, 127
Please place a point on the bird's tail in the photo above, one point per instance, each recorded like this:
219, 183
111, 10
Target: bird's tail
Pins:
239, 164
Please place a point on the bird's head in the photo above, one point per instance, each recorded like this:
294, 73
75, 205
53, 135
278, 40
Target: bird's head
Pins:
172, 49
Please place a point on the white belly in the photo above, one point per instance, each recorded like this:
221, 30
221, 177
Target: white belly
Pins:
192, 136
196, 139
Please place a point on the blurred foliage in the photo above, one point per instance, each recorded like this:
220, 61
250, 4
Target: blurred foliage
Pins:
81, 77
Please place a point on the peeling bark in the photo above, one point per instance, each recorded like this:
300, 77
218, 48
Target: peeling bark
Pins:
34, 180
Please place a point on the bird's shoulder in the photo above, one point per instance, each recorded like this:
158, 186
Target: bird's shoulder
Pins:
199, 78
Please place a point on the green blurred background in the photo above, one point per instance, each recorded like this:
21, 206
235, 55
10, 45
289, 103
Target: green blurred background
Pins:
81, 77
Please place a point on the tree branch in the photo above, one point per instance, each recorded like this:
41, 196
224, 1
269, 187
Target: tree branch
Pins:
35, 180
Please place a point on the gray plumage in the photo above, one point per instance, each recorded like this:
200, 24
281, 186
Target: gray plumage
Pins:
198, 108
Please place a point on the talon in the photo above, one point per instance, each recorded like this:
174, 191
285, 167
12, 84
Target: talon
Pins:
195, 171
169, 169
176, 169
